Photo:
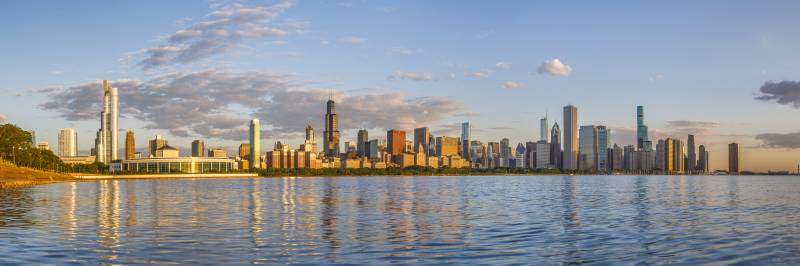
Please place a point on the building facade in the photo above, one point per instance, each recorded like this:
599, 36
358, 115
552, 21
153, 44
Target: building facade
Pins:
106, 144
255, 144
331, 134
587, 152
570, 152
198, 148
67, 142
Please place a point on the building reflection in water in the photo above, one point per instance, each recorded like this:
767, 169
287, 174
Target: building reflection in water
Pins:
69, 207
328, 215
108, 212
570, 222
256, 212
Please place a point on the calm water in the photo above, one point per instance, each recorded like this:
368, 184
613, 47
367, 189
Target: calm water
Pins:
406, 220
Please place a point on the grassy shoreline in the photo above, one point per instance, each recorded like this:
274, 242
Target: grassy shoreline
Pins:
12, 177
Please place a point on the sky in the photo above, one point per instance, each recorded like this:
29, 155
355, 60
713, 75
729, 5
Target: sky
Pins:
725, 71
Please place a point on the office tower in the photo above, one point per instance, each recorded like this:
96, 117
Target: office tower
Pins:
350, 147
543, 127
587, 152
570, 152
603, 139
198, 148
331, 133
422, 137
373, 150
43, 145
505, 153
109, 118
733, 158
396, 142
555, 143
691, 157
155, 144
446, 146
492, 156
629, 158
466, 135
67, 142
519, 160
679, 156
33, 138
702, 161
130, 145
310, 143
244, 151
659, 157
530, 154
255, 144
617, 161
218, 153
543, 155
641, 128
361, 144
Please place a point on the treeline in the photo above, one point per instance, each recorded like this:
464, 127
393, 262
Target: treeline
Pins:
17, 147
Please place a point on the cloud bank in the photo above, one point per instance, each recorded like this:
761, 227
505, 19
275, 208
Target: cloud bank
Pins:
512, 85
220, 31
554, 68
415, 76
778, 140
785, 92
219, 104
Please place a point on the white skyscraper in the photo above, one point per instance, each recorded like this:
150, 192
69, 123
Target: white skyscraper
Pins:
255, 144
107, 146
543, 128
67, 142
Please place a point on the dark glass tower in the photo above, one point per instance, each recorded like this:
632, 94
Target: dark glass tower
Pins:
331, 134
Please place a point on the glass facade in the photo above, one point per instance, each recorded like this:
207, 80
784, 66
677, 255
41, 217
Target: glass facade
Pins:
191, 165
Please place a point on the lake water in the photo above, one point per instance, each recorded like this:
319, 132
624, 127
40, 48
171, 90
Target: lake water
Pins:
406, 220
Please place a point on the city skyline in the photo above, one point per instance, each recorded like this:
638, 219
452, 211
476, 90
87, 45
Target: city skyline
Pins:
694, 93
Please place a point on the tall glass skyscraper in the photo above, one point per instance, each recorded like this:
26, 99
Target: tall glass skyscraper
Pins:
543, 128
466, 134
603, 139
255, 144
587, 152
331, 134
106, 145
67, 142
570, 153
641, 130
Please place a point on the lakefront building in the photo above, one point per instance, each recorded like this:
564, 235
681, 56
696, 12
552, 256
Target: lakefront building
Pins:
67, 142
570, 152
106, 141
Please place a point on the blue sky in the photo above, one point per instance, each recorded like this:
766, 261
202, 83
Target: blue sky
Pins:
695, 66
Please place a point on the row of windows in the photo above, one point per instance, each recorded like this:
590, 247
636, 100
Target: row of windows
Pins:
177, 167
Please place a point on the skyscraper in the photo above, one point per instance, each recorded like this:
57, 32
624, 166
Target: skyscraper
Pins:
255, 144
310, 144
198, 148
587, 152
67, 142
543, 127
396, 142
361, 145
505, 153
691, 157
109, 118
331, 133
603, 139
244, 151
446, 146
555, 146
422, 136
570, 153
466, 135
641, 129
130, 145
702, 162
155, 144
733, 158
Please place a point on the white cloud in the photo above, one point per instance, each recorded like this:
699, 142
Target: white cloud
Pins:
554, 68
484, 73
399, 50
3, 118
512, 85
416, 76
351, 40
655, 77
218, 32
503, 65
